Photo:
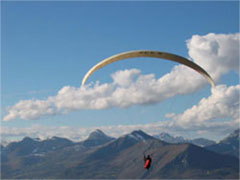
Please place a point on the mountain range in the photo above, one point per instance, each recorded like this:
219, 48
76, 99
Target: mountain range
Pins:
104, 157
229, 145
179, 139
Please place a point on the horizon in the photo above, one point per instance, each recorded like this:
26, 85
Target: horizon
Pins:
80, 140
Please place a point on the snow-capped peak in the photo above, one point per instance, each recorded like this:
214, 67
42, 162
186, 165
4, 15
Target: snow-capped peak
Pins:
139, 136
98, 134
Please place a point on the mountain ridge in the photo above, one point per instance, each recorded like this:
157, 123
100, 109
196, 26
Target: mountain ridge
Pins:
229, 145
122, 158
96, 138
179, 139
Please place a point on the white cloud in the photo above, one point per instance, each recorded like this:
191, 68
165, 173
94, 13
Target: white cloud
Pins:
217, 53
29, 109
71, 98
222, 104
126, 77
170, 115
44, 132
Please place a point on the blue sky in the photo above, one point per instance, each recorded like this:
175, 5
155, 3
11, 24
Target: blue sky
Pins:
50, 45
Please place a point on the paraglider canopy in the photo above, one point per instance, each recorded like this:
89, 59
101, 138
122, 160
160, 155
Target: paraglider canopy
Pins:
148, 53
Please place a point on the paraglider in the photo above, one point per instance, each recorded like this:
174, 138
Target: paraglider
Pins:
148, 53
147, 161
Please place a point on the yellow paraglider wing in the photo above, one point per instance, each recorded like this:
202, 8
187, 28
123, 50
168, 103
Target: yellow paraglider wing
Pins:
147, 53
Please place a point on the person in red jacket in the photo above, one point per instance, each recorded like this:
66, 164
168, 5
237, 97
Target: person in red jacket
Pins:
147, 161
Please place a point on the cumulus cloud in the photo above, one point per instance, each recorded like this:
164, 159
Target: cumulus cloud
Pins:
30, 109
222, 105
126, 77
217, 53
146, 89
